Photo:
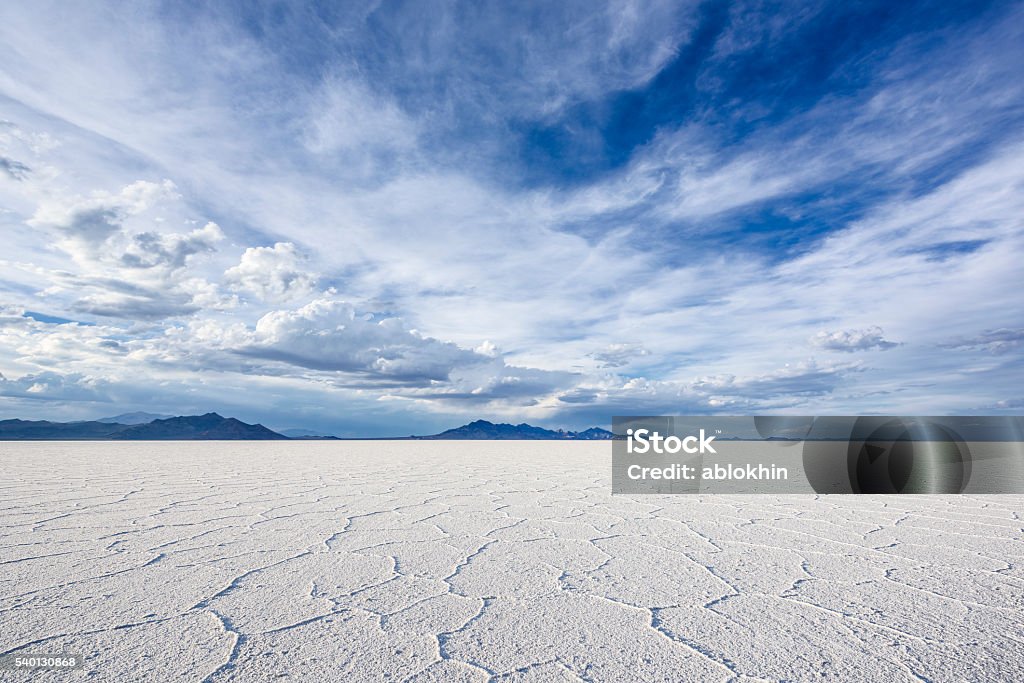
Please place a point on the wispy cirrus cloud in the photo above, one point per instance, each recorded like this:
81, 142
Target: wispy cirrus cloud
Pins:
14, 169
993, 341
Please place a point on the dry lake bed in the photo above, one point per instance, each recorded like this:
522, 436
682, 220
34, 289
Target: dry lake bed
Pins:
476, 561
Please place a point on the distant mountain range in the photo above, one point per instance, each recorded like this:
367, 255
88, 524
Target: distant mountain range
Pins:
482, 430
200, 427
305, 434
211, 426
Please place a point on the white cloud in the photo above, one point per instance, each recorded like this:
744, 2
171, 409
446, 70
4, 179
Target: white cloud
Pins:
346, 117
170, 251
620, 354
329, 335
803, 379
272, 273
854, 340
993, 341
84, 225
124, 270
51, 386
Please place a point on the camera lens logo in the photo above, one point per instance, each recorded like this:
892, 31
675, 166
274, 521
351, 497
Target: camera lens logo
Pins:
875, 454
908, 457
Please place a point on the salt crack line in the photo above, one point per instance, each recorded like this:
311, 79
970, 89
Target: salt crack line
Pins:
238, 639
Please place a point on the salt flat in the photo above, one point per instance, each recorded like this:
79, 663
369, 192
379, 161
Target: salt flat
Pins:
474, 561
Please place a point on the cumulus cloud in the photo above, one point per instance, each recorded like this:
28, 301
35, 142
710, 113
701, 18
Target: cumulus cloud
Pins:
329, 335
93, 230
12, 315
124, 271
271, 273
854, 340
60, 345
334, 342
84, 224
496, 383
52, 386
170, 251
321, 347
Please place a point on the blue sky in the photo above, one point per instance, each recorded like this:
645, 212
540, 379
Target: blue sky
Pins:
387, 218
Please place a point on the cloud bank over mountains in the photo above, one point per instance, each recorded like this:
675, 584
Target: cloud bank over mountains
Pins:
386, 214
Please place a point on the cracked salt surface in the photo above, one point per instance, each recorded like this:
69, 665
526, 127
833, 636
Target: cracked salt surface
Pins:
475, 561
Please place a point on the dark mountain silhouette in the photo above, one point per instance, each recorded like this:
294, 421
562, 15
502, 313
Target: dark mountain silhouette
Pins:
482, 430
592, 434
194, 427
308, 434
210, 426
44, 430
